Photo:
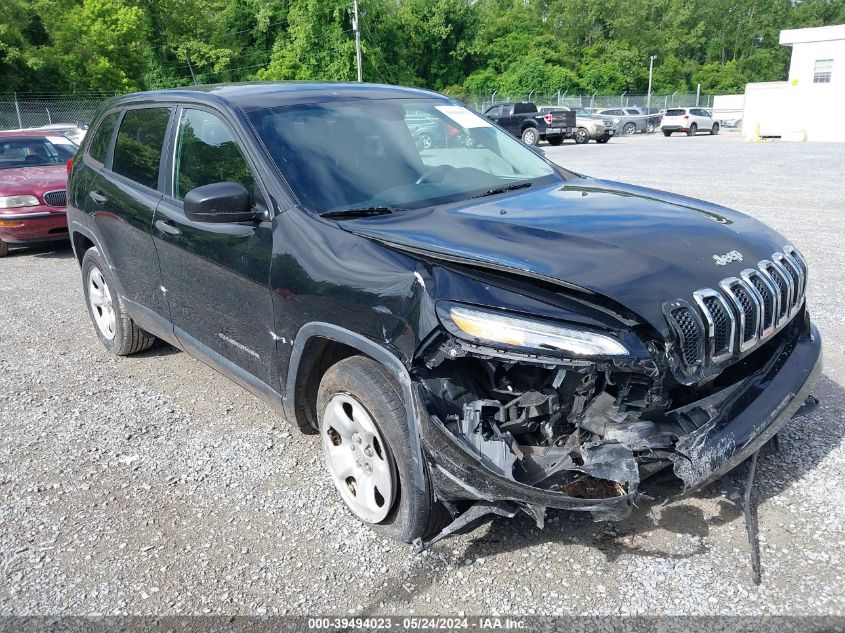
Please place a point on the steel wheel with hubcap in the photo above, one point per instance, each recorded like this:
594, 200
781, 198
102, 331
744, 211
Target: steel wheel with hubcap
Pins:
530, 136
99, 299
360, 466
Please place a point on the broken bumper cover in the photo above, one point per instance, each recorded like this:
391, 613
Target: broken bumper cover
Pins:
760, 408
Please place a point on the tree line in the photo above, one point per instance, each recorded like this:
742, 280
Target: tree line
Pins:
458, 46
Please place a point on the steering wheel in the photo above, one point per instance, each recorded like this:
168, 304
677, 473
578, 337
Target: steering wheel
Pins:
429, 174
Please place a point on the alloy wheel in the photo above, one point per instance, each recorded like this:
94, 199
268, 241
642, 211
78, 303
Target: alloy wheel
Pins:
100, 302
358, 459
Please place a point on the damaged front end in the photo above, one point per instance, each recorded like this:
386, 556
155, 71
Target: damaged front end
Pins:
517, 423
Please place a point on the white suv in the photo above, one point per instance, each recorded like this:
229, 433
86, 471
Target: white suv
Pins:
689, 120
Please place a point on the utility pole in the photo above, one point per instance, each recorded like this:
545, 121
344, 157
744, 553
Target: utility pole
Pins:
191, 68
357, 39
651, 59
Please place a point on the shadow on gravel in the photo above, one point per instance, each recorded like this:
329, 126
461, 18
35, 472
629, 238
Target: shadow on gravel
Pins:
44, 250
804, 443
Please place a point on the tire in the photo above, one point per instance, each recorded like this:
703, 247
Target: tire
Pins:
603, 139
581, 136
555, 140
667, 133
124, 337
693, 128
530, 136
649, 128
629, 128
4, 248
424, 140
363, 387
715, 129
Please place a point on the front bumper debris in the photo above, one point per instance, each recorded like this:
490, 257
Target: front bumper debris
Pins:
720, 432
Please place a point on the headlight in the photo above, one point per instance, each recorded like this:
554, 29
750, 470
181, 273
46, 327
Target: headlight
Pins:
13, 202
480, 326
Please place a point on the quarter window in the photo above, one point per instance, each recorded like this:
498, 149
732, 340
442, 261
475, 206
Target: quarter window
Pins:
822, 71
137, 151
206, 153
100, 143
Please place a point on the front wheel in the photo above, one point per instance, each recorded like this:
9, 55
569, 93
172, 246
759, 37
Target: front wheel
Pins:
715, 129
629, 128
692, 130
530, 136
364, 433
667, 133
555, 140
581, 136
115, 329
603, 139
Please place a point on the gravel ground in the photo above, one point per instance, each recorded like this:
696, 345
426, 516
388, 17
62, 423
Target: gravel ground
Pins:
153, 485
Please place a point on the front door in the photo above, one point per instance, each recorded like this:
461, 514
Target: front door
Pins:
216, 275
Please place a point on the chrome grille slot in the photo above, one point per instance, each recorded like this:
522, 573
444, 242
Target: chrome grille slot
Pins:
747, 308
797, 274
689, 335
767, 298
720, 323
56, 198
779, 278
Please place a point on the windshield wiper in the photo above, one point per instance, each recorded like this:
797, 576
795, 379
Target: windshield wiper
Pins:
513, 187
362, 212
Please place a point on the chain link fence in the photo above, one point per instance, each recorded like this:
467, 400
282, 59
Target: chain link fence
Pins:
481, 102
36, 110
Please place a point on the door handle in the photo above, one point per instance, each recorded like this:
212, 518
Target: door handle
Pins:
165, 227
97, 197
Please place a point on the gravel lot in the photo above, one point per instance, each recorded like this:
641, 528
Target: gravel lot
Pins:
153, 485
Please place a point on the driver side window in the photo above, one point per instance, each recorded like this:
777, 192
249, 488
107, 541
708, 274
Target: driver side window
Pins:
206, 152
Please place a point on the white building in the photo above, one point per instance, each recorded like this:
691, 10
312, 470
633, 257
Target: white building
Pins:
810, 105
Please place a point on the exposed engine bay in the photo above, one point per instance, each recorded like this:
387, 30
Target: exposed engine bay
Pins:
591, 430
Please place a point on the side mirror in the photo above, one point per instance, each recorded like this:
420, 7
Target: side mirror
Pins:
219, 202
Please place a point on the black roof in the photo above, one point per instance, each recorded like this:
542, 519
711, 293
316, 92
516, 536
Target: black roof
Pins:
256, 95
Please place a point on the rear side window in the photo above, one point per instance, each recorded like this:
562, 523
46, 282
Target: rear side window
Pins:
206, 152
676, 112
102, 135
137, 150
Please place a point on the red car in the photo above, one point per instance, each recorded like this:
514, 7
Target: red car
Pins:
33, 179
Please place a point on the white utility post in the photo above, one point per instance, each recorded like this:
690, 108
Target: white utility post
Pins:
357, 39
651, 59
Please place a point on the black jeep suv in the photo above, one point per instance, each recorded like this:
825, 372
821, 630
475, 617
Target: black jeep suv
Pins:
469, 329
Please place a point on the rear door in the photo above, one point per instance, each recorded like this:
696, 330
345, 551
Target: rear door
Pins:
216, 275
121, 203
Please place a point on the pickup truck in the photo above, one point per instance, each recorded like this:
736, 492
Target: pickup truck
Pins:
525, 121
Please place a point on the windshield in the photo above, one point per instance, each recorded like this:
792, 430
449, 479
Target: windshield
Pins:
405, 153
35, 151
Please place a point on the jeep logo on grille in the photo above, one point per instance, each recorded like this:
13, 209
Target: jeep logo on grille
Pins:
727, 258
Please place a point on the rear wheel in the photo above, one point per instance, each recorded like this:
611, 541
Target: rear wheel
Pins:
667, 133
115, 329
364, 434
4, 248
649, 128
714, 129
693, 128
555, 140
530, 136
629, 128
581, 136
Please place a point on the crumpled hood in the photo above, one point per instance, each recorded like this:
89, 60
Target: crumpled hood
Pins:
23, 180
639, 247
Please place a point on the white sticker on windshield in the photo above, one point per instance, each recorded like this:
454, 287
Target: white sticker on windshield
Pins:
463, 116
